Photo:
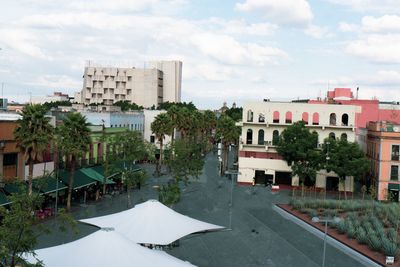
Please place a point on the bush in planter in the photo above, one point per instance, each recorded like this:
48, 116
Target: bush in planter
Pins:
312, 213
329, 213
374, 243
351, 231
389, 248
392, 235
342, 227
361, 236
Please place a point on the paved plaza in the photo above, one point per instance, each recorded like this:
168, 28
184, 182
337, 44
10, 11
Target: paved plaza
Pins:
259, 236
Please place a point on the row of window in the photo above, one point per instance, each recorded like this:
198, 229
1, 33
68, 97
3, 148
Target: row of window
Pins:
395, 152
136, 127
275, 137
288, 118
394, 173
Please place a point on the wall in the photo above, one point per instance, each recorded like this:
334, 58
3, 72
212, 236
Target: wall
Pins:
40, 169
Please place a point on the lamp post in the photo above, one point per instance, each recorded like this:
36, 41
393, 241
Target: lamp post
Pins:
231, 198
325, 220
2, 147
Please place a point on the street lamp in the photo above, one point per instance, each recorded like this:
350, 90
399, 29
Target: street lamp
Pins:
231, 199
325, 220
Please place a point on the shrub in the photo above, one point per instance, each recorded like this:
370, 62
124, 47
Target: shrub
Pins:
329, 213
342, 226
389, 248
392, 235
350, 231
312, 213
361, 236
374, 243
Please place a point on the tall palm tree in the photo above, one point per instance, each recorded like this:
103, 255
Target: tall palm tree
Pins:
173, 115
73, 139
33, 135
161, 126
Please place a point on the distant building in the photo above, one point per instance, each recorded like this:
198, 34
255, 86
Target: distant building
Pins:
262, 124
144, 86
383, 149
57, 96
130, 120
3, 104
149, 116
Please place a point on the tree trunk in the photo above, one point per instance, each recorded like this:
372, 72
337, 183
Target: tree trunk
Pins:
160, 159
71, 183
30, 176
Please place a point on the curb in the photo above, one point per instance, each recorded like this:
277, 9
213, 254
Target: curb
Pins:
365, 261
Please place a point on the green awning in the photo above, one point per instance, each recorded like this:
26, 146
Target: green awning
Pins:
13, 188
48, 185
80, 179
90, 172
395, 187
100, 169
3, 199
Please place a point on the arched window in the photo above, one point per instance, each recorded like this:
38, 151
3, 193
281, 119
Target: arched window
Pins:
249, 115
261, 137
249, 137
275, 137
332, 135
332, 119
345, 119
288, 117
304, 117
315, 118
261, 118
276, 117
343, 136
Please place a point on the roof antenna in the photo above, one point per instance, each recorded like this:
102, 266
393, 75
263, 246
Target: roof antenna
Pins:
357, 92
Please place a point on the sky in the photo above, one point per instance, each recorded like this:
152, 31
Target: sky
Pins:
233, 51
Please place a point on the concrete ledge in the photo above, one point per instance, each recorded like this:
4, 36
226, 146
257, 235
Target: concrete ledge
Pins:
365, 261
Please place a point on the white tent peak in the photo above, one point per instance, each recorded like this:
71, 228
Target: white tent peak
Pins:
152, 222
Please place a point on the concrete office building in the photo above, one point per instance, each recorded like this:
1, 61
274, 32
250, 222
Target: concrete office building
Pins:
262, 124
143, 86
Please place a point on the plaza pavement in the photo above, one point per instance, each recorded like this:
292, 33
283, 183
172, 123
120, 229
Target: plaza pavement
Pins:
259, 235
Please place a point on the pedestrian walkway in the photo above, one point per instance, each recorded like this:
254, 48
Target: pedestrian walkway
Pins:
259, 235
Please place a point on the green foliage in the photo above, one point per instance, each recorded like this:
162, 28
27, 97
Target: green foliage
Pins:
374, 243
235, 113
126, 105
169, 194
392, 235
389, 248
49, 105
298, 147
351, 231
342, 227
187, 161
167, 105
33, 134
361, 236
161, 126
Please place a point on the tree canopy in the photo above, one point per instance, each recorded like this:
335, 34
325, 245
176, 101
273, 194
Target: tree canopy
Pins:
125, 105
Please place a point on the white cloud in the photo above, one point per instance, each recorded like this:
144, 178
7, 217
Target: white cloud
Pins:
348, 27
377, 48
286, 12
382, 6
56, 82
240, 27
384, 24
318, 32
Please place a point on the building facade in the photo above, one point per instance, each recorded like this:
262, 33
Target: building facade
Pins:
149, 116
146, 87
57, 96
262, 124
383, 146
130, 120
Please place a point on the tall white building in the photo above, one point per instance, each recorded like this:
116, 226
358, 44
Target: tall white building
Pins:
143, 86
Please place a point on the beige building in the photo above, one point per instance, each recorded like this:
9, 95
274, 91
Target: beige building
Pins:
143, 86
262, 124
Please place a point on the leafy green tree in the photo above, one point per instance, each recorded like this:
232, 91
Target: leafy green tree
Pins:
235, 113
33, 135
227, 132
55, 104
167, 105
346, 159
161, 126
132, 178
169, 194
73, 139
298, 147
188, 160
125, 105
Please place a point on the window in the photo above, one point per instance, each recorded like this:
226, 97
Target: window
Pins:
332, 119
152, 139
275, 137
395, 152
343, 136
345, 119
261, 118
261, 137
304, 117
332, 135
315, 118
288, 117
249, 116
249, 137
276, 117
394, 173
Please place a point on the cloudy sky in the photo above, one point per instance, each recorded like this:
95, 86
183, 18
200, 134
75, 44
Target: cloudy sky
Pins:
231, 50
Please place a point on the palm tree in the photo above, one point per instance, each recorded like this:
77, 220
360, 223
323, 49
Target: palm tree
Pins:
73, 140
228, 133
161, 126
173, 115
33, 135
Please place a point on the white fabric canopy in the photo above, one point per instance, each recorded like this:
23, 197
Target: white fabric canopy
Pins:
104, 249
152, 223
